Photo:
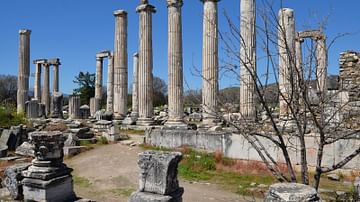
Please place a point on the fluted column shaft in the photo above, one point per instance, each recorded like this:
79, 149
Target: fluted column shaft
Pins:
145, 64
210, 63
247, 59
55, 78
37, 82
110, 85
45, 98
286, 42
321, 70
74, 107
135, 87
24, 70
98, 78
175, 62
120, 65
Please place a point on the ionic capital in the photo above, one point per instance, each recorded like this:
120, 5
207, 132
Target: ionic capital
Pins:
146, 8
120, 13
175, 3
25, 32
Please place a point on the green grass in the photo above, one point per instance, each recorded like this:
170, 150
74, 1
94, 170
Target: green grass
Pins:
9, 117
123, 191
81, 181
132, 132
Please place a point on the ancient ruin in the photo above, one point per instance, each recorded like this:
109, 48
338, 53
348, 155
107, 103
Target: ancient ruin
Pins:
303, 119
210, 63
145, 79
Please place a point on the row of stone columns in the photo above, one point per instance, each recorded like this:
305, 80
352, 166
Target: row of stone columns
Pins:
290, 61
44, 94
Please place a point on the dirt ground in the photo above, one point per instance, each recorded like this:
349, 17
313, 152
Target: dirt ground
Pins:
110, 174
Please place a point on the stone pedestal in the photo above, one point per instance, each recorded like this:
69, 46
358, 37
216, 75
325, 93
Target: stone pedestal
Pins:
24, 70
210, 63
146, 111
120, 65
248, 59
48, 178
57, 105
291, 192
32, 109
158, 177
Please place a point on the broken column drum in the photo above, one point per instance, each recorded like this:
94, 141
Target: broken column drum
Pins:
32, 109
74, 107
48, 178
248, 59
145, 11
175, 63
57, 105
24, 70
120, 65
210, 63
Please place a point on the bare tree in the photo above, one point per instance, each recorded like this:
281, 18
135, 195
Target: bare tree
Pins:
311, 112
8, 88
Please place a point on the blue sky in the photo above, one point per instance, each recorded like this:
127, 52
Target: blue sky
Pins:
74, 30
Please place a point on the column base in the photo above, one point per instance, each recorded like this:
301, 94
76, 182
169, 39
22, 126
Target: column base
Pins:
134, 115
208, 123
176, 124
119, 117
145, 122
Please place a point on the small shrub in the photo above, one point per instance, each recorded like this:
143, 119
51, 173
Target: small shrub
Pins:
9, 117
102, 140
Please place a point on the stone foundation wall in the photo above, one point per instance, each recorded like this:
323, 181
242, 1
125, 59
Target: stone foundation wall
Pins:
235, 146
350, 88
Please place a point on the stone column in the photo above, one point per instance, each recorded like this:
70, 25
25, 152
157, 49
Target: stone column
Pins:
210, 63
120, 65
299, 72
110, 84
146, 111
248, 59
175, 64
98, 78
56, 78
286, 43
24, 69
321, 69
135, 87
37, 80
74, 107
45, 98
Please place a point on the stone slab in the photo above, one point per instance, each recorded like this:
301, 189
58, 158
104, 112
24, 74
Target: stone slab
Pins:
150, 197
291, 192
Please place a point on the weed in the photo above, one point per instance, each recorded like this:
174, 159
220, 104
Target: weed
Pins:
81, 181
9, 117
123, 191
102, 140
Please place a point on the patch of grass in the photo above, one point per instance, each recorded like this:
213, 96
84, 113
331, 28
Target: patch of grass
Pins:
123, 191
102, 140
9, 117
150, 147
81, 181
132, 132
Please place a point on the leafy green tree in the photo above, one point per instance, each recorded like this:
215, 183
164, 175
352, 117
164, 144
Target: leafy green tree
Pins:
86, 89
